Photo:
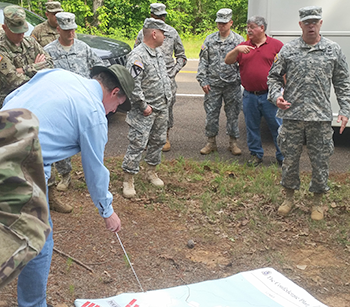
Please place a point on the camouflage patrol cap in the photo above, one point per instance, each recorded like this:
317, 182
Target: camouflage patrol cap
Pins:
15, 19
158, 9
223, 15
124, 78
53, 7
310, 12
66, 21
151, 23
24, 225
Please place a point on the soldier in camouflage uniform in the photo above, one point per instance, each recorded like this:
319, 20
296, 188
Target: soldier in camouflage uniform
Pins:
311, 64
46, 32
172, 45
24, 214
20, 57
69, 53
148, 116
74, 55
220, 81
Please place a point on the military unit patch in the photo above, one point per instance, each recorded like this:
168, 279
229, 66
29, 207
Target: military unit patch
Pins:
136, 69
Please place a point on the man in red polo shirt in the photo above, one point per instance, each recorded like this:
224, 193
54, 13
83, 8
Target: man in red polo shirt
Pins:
255, 58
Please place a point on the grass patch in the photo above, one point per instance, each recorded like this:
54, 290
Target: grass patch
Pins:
192, 46
233, 196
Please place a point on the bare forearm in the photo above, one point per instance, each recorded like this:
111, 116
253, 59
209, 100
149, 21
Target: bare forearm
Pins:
231, 57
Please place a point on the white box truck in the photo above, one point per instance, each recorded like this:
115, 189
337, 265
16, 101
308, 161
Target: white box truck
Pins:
282, 18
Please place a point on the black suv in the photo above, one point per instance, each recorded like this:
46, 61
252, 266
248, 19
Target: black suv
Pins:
111, 51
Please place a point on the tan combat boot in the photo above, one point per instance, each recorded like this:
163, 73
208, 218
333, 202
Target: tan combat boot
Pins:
210, 147
128, 185
317, 208
233, 147
167, 145
57, 205
64, 183
153, 177
288, 203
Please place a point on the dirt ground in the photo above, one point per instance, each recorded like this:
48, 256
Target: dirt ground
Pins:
155, 238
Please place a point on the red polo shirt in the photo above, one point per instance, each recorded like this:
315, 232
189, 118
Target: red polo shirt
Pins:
255, 65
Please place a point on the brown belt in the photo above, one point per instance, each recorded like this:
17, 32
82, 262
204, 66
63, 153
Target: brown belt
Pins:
258, 92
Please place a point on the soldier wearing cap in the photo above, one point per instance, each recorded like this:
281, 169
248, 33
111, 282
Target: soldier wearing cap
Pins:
71, 54
171, 48
148, 116
311, 64
68, 52
20, 57
72, 114
46, 32
220, 82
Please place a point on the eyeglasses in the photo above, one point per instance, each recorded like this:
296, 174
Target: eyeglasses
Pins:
249, 27
311, 21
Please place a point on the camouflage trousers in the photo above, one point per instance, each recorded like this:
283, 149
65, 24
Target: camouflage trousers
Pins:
231, 94
172, 102
64, 166
145, 131
319, 143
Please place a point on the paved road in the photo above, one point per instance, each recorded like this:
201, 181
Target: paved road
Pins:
187, 137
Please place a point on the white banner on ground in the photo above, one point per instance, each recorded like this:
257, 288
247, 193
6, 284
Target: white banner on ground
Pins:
259, 288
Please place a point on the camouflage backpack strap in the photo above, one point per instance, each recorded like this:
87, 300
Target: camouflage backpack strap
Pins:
24, 213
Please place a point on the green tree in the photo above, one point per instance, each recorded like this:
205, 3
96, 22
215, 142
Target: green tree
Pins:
124, 18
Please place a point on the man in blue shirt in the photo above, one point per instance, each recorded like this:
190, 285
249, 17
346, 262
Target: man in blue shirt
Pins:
72, 115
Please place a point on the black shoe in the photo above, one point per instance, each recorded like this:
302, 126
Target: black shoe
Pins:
49, 305
279, 162
254, 161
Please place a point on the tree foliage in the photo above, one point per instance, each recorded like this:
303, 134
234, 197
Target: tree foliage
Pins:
124, 18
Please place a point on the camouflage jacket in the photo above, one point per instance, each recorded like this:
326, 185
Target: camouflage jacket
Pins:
22, 56
44, 33
152, 83
212, 69
310, 72
172, 45
79, 59
24, 224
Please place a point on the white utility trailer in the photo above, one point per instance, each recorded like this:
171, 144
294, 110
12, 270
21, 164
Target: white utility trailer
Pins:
282, 18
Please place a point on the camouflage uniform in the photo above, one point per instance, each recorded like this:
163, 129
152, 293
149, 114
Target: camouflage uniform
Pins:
310, 72
44, 33
79, 59
152, 87
24, 224
172, 45
224, 81
23, 56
